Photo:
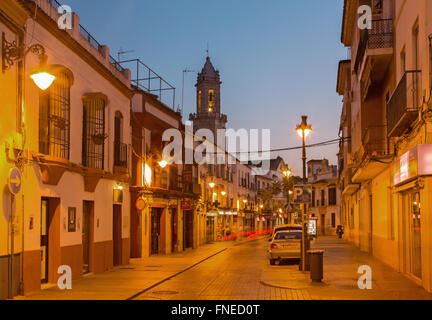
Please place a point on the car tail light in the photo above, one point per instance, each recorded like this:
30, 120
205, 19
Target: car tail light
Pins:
273, 246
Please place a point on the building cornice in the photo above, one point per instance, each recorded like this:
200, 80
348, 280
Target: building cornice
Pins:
348, 20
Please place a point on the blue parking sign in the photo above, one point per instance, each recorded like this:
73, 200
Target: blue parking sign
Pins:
302, 194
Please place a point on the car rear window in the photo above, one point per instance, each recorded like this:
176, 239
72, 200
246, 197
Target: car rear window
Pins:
288, 229
293, 235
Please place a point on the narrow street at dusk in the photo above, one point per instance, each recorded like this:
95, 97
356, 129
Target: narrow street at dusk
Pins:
215, 151
240, 271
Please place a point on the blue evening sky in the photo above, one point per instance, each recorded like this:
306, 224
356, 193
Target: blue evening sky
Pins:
278, 59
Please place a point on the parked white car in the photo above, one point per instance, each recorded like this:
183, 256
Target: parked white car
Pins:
285, 245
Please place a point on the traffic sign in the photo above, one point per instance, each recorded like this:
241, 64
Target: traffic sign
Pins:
302, 194
14, 181
140, 204
289, 208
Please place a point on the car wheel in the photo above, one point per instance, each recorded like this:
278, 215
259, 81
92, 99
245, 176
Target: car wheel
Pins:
272, 262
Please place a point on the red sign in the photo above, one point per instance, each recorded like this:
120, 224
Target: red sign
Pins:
186, 205
140, 204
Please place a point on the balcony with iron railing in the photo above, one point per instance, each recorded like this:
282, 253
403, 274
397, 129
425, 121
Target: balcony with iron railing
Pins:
120, 154
404, 104
375, 141
380, 36
374, 155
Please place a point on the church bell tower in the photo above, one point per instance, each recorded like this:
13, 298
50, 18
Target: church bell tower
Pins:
208, 112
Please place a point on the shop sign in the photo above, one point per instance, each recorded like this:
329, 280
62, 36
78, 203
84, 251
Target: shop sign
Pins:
312, 227
416, 162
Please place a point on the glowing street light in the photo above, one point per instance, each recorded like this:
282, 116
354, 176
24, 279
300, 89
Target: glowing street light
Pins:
303, 130
12, 53
43, 79
162, 164
287, 172
212, 185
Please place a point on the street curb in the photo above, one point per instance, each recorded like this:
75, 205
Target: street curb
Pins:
174, 275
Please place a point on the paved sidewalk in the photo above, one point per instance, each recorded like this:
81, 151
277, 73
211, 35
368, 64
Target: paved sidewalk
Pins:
124, 282
341, 262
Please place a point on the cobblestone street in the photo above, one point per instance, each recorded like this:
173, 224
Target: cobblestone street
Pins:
240, 271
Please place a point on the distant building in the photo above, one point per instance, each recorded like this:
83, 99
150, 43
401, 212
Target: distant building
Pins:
325, 195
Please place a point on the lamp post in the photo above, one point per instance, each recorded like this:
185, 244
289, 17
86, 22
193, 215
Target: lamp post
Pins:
303, 130
287, 173
12, 53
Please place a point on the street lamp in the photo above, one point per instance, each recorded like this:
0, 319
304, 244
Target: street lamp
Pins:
303, 130
287, 172
162, 164
212, 185
12, 53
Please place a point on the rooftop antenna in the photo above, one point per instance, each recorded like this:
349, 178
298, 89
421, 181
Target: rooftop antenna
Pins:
121, 52
208, 49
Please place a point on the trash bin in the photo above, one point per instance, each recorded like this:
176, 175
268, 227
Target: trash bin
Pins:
316, 258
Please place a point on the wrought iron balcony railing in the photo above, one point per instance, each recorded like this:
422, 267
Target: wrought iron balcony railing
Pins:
380, 36
375, 141
403, 106
120, 154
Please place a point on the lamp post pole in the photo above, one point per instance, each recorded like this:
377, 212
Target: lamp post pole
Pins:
304, 129
304, 207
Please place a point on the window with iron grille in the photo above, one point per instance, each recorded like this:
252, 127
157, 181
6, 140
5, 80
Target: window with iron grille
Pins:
93, 146
120, 148
54, 118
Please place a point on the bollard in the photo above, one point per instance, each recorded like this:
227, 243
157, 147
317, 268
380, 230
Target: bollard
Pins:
316, 258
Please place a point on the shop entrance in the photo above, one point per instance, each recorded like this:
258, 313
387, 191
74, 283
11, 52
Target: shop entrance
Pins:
155, 223
187, 229
174, 230
210, 229
323, 224
117, 235
50, 239
87, 234
414, 234
44, 223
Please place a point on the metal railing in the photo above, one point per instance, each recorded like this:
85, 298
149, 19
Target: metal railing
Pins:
380, 36
404, 103
93, 42
375, 140
115, 64
120, 154
146, 79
